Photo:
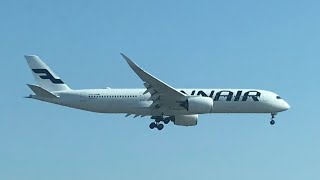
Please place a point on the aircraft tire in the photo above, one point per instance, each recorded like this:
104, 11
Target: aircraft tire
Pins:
166, 120
152, 125
160, 127
272, 122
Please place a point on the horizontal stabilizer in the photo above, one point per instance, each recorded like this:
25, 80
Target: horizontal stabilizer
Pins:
39, 91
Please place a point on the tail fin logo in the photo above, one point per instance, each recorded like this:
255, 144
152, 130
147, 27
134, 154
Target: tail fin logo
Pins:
47, 75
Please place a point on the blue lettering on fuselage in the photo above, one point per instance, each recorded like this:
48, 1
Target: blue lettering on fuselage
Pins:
228, 95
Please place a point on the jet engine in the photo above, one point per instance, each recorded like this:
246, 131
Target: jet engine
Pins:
198, 105
185, 120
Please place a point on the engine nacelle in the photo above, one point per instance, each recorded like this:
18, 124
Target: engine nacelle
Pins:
198, 105
185, 120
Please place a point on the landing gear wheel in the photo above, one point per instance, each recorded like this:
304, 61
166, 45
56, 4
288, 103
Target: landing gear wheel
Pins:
152, 125
272, 122
160, 126
166, 120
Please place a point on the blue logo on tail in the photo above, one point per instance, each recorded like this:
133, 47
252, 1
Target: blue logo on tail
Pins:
47, 75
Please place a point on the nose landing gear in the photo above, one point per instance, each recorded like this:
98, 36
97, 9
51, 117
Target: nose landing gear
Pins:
272, 122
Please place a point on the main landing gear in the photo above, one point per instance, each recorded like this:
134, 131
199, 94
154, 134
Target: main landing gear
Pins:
272, 122
157, 122
156, 125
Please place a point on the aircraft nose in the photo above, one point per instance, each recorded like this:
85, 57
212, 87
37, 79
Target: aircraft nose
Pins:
286, 106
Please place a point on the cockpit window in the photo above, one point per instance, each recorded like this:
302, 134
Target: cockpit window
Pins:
278, 97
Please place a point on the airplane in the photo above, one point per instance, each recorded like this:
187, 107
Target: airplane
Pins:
160, 101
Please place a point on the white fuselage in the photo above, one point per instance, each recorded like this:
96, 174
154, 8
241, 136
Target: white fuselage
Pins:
134, 101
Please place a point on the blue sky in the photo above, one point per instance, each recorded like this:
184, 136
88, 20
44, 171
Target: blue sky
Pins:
272, 45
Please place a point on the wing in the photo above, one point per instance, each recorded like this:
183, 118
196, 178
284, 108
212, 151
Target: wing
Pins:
162, 94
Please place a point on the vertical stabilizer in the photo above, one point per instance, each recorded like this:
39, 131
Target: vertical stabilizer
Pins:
44, 76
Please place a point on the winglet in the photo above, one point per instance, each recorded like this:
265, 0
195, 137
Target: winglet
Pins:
139, 71
126, 58
133, 65
157, 84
